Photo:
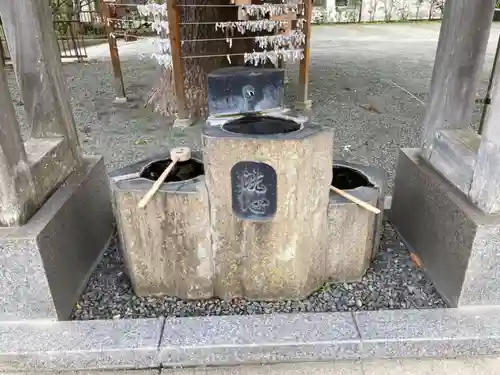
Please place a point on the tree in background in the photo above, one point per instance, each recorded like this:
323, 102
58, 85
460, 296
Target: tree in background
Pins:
201, 25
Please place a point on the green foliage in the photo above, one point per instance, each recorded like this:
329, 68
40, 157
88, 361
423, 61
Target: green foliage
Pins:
498, 4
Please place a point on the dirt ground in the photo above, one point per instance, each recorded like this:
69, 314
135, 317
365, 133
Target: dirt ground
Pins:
368, 82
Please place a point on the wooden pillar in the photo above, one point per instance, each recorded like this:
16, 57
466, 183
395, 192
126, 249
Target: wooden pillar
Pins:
303, 95
52, 153
485, 188
17, 192
290, 19
30, 34
460, 53
108, 14
174, 25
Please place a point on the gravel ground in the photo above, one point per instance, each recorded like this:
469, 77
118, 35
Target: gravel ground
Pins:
354, 78
367, 82
392, 282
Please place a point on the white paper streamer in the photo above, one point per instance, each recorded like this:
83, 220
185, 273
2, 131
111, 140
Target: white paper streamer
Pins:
286, 47
158, 12
294, 40
257, 58
269, 9
151, 9
253, 26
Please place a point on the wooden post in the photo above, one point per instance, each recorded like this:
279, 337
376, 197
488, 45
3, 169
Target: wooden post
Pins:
35, 55
303, 95
17, 192
174, 25
485, 188
290, 19
109, 13
460, 53
53, 151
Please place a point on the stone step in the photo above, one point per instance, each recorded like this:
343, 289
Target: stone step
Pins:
248, 340
464, 366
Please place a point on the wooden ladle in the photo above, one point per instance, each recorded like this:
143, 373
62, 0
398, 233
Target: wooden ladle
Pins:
359, 202
176, 155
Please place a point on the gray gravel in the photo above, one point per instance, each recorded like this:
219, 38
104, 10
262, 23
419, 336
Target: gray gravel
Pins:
392, 282
367, 82
354, 69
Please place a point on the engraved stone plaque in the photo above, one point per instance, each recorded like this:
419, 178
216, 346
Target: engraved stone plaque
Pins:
254, 188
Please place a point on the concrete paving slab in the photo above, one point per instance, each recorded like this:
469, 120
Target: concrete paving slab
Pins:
305, 368
462, 366
444, 333
116, 372
272, 338
89, 345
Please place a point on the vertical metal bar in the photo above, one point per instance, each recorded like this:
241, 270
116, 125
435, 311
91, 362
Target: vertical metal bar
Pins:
487, 99
360, 11
2, 53
74, 43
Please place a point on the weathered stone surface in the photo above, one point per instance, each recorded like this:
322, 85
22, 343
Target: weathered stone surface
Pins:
458, 244
17, 192
47, 262
50, 161
32, 43
429, 333
93, 372
84, 345
279, 257
353, 232
31, 172
238, 340
195, 239
166, 245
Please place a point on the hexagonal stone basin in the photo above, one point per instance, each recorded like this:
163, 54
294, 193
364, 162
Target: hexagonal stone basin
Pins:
183, 171
348, 178
261, 125
353, 234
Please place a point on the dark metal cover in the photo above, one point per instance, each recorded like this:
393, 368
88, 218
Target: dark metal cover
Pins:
236, 90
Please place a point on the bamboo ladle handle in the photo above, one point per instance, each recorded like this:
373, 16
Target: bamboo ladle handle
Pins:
176, 155
353, 199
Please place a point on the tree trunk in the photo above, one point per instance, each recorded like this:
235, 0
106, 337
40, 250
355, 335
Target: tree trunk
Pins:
162, 97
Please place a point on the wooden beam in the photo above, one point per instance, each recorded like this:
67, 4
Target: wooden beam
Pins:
17, 192
291, 19
485, 189
454, 154
460, 53
174, 25
303, 94
29, 30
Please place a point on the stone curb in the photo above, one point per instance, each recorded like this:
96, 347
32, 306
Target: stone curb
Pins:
80, 345
237, 340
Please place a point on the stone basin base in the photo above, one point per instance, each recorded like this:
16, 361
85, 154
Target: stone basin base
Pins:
353, 232
168, 247
47, 262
